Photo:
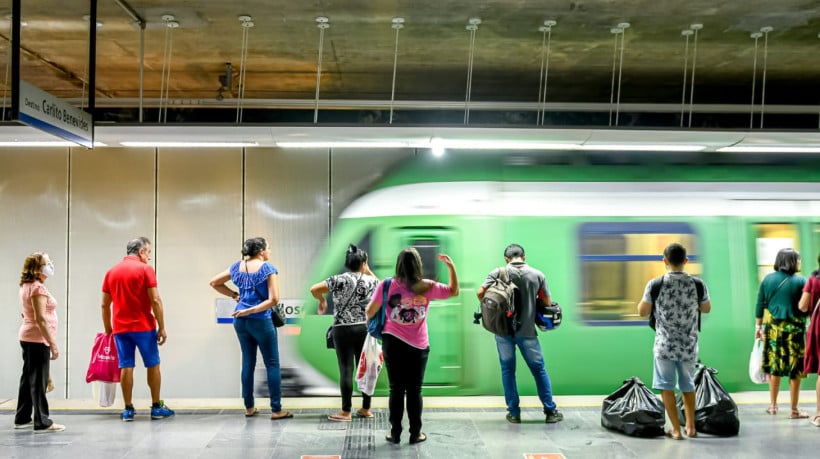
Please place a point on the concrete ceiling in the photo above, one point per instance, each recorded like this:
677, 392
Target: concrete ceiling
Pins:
432, 51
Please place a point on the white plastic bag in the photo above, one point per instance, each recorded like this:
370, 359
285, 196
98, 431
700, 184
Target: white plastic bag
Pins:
108, 392
755, 363
370, 365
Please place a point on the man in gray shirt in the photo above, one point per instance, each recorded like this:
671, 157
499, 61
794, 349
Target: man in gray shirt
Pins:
531, 285
676, 336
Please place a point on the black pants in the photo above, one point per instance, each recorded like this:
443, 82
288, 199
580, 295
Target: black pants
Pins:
31, 398
349, 341
405, 370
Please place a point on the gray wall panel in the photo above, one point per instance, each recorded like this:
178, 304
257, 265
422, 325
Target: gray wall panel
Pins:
199, 219
112, 202
34, 204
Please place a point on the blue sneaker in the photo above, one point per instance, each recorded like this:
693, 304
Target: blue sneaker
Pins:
161, 411
128, 415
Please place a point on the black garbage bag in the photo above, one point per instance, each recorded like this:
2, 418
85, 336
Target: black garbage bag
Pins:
634, 410
715, 411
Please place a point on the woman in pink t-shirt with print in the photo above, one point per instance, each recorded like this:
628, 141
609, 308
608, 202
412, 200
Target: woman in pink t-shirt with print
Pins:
38, 338
404, 338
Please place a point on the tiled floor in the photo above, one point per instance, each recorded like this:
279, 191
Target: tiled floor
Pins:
468, 427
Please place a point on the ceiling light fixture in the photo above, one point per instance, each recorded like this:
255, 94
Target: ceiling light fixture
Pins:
647, 147
771, 149
344, 144
141, 143
44, 143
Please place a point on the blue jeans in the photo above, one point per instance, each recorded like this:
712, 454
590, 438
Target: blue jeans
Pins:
253, 334
531, 351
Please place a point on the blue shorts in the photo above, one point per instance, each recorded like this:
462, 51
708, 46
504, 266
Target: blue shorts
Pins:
146, 342
665, 372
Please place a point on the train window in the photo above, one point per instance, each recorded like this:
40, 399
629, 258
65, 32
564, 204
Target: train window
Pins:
769, 239
616, 261
428, 249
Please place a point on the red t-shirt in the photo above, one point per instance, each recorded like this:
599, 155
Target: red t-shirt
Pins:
128, 283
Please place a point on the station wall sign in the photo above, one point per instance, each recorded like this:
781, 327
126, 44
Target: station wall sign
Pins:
47, 113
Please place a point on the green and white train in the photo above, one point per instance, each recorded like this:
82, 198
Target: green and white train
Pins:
597, 232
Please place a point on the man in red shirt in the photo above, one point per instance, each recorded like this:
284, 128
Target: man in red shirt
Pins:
138, 322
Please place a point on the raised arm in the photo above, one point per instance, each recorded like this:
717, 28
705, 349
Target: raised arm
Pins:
453, 277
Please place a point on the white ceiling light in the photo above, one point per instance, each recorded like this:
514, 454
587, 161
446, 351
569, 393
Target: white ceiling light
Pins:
187, 144
638, 147
44, 143
344, 144
771, 149
461, 144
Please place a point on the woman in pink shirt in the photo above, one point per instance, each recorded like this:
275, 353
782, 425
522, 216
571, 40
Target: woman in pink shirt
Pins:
38, 338
404, 338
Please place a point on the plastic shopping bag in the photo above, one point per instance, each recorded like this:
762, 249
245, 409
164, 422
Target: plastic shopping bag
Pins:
104, 365
634, 410
755, 363
108, 392
370, 365
715, 411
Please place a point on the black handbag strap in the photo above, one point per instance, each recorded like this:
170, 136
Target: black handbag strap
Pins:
776, 289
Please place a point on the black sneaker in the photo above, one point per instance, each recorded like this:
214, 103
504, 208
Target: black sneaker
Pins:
555, 416
513, 419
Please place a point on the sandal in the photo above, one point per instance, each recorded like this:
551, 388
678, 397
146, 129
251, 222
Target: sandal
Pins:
797, 414
339, 417
364, 414
673, 436
772, 410
284, 415
249, 413
422, 437
815, 421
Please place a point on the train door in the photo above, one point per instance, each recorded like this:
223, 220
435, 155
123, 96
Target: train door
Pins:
444, 321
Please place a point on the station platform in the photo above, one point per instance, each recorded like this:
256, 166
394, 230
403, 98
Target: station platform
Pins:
456, 427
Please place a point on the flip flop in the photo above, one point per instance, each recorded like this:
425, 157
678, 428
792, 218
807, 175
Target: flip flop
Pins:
772, 410
337, 418
798, 415
252, 413
359, 414
669, 434
285, 415
815, 421
694, 434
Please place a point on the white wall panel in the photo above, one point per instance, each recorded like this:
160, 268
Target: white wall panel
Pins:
353, 172
286, 201
34, 206
112, 202
199, 221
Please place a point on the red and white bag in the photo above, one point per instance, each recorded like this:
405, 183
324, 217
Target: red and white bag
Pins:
104, 365
370, 365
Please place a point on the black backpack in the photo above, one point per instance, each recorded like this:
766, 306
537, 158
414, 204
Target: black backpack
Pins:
655, 291
498, 305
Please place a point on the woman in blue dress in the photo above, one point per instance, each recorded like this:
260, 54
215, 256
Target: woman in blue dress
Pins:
258, 292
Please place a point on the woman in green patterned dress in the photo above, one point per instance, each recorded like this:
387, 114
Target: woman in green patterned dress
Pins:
784, 335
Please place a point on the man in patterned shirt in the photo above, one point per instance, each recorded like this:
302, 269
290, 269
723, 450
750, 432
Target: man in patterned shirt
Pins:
676, 336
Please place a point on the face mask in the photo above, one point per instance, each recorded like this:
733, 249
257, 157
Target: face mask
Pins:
48, 269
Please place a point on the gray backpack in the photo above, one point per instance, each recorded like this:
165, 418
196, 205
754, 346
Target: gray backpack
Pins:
498, 305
